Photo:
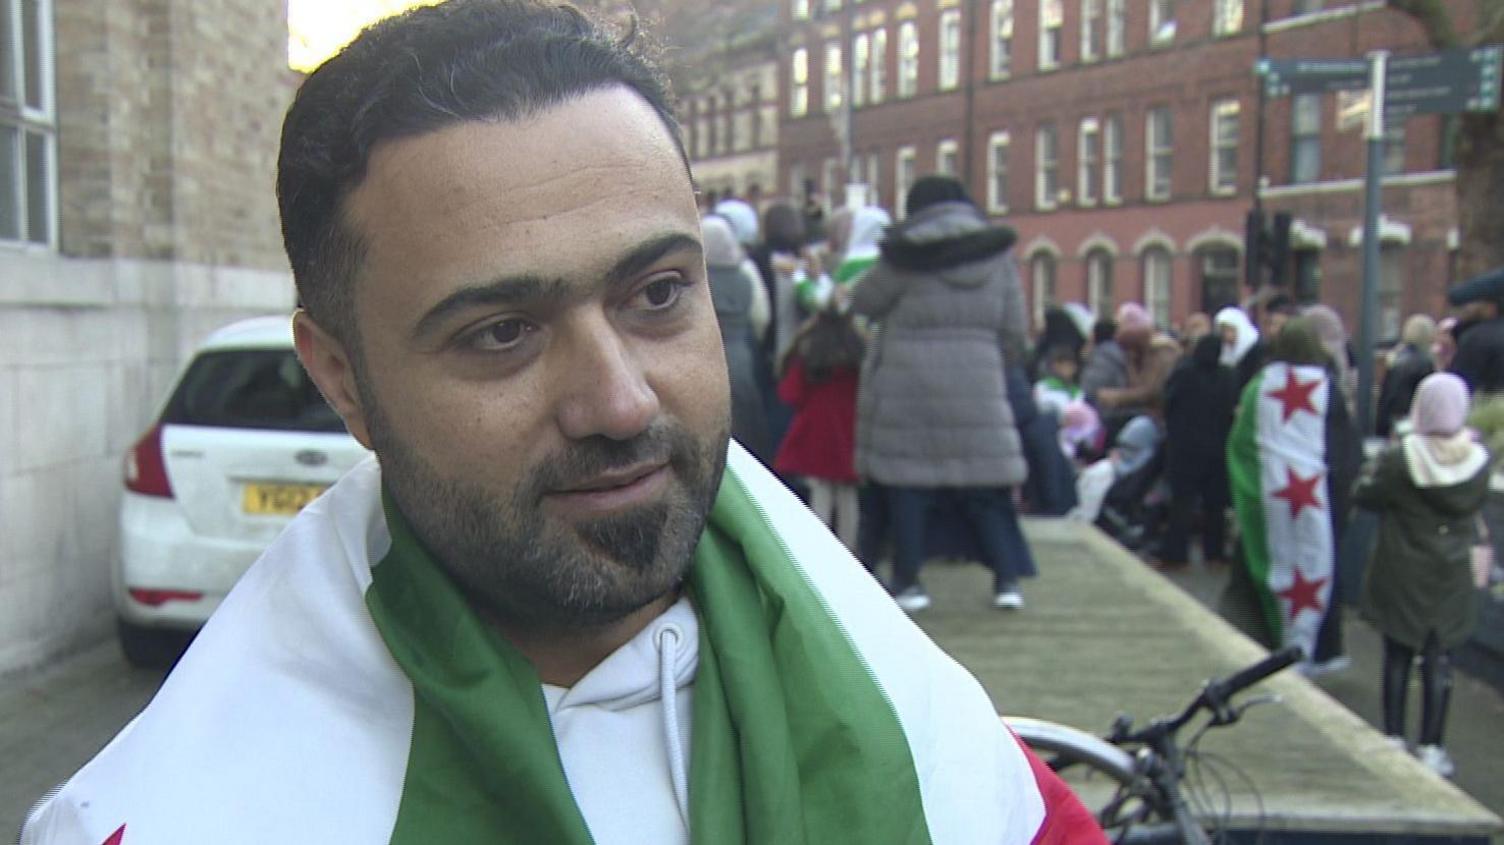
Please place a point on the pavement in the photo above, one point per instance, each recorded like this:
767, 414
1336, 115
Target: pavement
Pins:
1101, 634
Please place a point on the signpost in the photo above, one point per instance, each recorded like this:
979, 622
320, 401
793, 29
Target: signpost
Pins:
1448, 82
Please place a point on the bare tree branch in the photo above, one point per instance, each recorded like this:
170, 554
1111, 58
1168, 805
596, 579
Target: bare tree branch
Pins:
1433, 19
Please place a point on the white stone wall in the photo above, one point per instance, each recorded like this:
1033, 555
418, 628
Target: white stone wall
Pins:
88, 351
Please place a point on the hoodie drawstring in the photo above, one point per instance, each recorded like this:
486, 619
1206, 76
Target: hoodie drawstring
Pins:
669, 637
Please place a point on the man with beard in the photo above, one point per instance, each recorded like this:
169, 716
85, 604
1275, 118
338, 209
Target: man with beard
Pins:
551, 609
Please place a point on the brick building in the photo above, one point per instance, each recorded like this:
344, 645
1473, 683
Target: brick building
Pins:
1120, 138
137, 149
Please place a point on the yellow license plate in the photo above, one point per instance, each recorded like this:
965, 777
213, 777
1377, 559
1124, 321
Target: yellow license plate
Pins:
279, 499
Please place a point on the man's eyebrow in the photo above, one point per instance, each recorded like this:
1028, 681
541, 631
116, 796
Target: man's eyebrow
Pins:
533, 288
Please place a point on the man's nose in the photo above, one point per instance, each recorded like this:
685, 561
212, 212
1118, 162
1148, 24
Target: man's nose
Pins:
605, 387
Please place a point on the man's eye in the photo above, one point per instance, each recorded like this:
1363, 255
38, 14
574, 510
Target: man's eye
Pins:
661, 293
501, 335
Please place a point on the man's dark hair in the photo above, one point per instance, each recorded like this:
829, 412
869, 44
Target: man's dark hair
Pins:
425, 70
1104, 330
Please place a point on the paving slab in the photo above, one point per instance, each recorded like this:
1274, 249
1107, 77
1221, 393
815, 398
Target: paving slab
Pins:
1103, 634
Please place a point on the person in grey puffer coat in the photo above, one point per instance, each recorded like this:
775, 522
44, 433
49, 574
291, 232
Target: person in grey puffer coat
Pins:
933, 418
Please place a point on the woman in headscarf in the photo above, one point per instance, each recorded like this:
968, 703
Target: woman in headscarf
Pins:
1240, 344
933, 412
860, 253
1334, 339
731, 291
1419, 591
1408, 363
1291, 459
1199, 402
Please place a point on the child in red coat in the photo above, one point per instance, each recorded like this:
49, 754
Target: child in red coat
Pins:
819, 383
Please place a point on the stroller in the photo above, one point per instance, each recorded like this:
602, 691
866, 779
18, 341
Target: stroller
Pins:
1137, 505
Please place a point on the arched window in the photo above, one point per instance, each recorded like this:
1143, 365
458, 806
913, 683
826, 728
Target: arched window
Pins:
1042, 275
1099, 290
1156, 269
1220, 267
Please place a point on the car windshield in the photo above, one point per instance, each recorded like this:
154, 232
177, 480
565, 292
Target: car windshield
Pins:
251, 388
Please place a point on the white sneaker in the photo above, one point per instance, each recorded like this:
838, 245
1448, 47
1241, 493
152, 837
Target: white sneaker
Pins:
1436, 759
1313, 669
913, 599
1395, 742
1008, 600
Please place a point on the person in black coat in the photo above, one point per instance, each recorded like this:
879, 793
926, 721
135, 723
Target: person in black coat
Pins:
1480, 332
1408, 364
1199, 401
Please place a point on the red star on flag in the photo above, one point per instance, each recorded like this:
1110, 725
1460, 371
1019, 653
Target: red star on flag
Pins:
1303, 594
117, 837
1299, 492
1295, 396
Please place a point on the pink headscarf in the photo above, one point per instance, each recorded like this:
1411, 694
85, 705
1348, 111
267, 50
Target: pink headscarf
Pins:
1133, 317
1440, 405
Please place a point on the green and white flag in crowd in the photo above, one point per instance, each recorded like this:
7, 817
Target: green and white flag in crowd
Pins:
1276, 461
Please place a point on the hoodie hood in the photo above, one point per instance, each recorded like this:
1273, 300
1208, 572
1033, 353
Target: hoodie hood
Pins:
1248, 336
1438, 462
948, 236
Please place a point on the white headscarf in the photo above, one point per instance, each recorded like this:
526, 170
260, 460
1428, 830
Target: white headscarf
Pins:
743, 219
1248, 336
867, 226
721, 248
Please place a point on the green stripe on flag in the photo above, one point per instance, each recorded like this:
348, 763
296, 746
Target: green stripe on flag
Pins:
1243, 472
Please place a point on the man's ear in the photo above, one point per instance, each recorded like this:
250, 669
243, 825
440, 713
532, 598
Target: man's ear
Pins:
329, 363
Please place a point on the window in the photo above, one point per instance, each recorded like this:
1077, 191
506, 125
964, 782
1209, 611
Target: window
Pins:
1161, 22
1051, 21
250, 388
997, 173
1117, 21
797, 187
1307, 7
835, 80
947, 159
702, 137
1091, 30
800, 10
1099, 293
1391, 288
908, 59
861, 59
1224, 147
950, 49
874, 175
1088, 161
1158, 131
27, 131
768, 132
1156, 261
1112, 159
1394, 148
903, 177
1046, 168
799, 83
1002, 38
879, 65
741, 130
1221, 267
1042, 274
723, 126
1305, 138
1227, 17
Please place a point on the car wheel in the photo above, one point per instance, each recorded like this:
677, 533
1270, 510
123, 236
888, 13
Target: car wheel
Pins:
151, 648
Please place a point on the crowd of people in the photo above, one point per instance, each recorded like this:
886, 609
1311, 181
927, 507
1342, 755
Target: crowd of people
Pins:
898, 389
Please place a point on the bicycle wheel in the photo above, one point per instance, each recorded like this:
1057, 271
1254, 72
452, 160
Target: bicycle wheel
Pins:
1105, 777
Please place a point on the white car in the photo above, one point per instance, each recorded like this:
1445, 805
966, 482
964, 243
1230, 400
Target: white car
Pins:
244, 442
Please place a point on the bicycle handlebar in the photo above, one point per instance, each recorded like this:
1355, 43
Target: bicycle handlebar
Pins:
1245, 678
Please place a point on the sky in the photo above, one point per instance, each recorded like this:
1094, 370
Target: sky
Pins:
318, 28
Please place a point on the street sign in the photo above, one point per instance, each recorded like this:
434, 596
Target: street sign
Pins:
1451, 81
1443, 83
1283, 77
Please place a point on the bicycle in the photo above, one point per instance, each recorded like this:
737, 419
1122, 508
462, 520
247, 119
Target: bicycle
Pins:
1146, 768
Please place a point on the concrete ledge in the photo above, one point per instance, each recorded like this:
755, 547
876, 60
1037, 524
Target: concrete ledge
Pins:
1104, 634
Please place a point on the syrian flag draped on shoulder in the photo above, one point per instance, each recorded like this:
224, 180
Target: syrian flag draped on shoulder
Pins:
345, 692
1276, 460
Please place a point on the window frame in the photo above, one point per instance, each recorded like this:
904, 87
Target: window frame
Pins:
1112, 159
1000, 60
1303, 137
948, 38
904, 174
1099, 282
1117, 28
31, 122
908, 60
952, 148
799, 82
1163, 22
1227, 17
861, 60
799, 10
1044, 286
878, 84
1093, 37
1046, 168
1155, 152
1051, 34
1220, 182
1161, 315
833, 78
1088, 160
997, 178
